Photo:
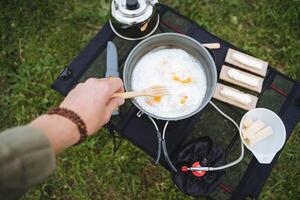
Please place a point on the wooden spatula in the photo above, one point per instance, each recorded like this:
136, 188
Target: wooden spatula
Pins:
152, 91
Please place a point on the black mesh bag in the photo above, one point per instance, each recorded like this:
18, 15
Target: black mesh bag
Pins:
208, 154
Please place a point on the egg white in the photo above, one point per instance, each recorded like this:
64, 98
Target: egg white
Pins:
158, 67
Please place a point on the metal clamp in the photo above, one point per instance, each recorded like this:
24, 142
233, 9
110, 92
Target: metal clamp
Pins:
139, 114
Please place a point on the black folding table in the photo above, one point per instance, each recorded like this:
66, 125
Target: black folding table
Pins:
280, 94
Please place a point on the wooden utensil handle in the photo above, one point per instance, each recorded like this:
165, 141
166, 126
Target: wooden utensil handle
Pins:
212, 45
128, 95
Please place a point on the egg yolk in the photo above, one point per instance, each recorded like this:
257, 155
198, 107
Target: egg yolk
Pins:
183, 81
153, 100
183, 99
157, 98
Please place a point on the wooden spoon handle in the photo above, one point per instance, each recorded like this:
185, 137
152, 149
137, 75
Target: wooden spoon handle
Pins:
128, 95
212, 45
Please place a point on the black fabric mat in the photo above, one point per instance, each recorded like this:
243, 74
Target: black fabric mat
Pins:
280, 94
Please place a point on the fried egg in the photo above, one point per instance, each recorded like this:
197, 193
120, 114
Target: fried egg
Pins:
180, 72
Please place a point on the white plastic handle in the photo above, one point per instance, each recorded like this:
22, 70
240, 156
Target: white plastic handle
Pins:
265, 158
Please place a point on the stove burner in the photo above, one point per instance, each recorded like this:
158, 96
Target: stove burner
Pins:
204, 153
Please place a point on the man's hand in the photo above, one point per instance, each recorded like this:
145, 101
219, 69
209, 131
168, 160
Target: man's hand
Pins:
92, 101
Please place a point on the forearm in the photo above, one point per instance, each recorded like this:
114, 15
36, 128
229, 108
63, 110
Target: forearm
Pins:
60, 131
27, 154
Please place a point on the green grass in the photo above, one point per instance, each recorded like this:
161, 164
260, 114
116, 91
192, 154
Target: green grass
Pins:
40, 37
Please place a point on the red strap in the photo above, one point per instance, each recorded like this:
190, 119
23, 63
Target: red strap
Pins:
225, 188
171, 26
277, 89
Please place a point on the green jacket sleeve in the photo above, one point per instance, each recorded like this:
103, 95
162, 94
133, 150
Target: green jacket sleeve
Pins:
26, 158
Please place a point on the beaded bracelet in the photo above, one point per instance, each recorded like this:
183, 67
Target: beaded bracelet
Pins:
74, 117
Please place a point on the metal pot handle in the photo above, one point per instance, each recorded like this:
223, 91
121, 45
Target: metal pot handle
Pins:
159, 147
162, 144
165, 150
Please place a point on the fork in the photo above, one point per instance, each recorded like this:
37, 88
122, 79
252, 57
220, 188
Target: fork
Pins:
153, 91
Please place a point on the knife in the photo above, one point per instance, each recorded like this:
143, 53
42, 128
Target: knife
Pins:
112, 64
